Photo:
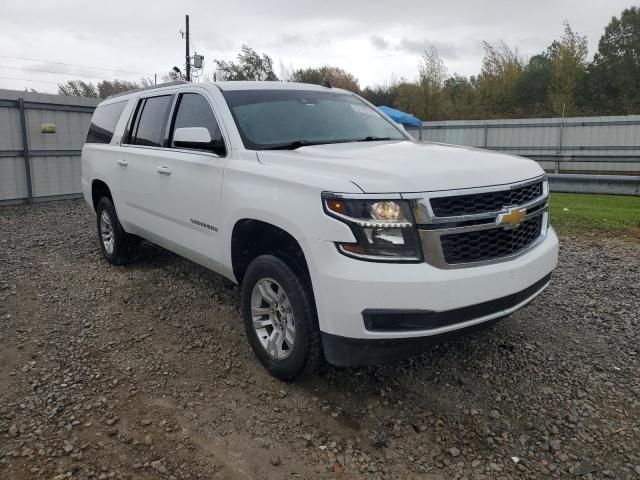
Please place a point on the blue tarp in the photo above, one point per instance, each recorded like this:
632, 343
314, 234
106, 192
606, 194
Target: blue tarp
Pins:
400, 117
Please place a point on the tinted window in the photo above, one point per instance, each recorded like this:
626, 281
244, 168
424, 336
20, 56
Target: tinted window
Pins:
194, 111
273, 118
150, 127
104, 121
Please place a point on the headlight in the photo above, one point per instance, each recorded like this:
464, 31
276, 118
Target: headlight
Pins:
384, 229
386, 211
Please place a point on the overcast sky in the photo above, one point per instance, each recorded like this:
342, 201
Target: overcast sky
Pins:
372, 39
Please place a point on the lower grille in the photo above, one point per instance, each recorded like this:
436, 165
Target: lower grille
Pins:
382, 320
483, 245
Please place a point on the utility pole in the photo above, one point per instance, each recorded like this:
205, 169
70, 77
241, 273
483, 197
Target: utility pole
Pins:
188, 56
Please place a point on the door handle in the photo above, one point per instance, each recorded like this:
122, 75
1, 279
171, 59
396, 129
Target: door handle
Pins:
124, 163
164, 170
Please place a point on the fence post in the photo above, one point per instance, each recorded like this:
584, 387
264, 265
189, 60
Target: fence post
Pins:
559, 147
486, 135
25, 149
560, 134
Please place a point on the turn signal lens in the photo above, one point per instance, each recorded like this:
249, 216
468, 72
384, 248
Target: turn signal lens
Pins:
337, 205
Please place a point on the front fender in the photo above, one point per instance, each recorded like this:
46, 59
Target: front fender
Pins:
284, 199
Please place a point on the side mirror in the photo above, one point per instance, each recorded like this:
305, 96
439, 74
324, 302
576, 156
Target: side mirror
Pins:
199, 138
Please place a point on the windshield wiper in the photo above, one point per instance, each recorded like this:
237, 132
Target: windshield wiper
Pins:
306, 143
373, 139
293, 145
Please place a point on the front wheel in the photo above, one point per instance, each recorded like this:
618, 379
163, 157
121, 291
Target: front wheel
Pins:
280, 319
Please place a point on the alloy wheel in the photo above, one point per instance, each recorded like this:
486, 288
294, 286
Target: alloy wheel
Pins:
106, 232
272, 318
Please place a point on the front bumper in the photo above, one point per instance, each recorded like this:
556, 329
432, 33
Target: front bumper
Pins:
356, 352
346, 289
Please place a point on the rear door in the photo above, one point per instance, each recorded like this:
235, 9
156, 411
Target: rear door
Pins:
143, 145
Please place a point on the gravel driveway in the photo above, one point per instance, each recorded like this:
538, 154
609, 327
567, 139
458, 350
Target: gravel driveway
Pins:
144, 372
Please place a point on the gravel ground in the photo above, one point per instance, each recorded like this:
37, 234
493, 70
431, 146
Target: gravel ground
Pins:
144, 372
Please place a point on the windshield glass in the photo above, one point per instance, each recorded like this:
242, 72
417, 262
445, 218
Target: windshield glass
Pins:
294, 118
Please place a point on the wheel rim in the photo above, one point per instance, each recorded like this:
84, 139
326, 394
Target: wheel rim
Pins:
272, 318
106, 232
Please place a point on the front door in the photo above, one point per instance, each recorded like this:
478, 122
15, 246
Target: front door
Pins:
190, 183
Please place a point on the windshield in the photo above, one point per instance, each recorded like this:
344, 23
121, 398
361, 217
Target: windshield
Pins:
271, 119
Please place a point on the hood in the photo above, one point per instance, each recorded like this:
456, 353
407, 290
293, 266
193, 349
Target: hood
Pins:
405, 166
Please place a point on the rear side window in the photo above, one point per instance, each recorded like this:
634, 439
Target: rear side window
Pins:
150, 127
104, 121
194, 111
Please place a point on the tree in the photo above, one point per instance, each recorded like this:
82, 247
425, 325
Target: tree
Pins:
384, 94
78, 88
112, 87
459, 97
502, 67
336, 76
250, 66
532, 88
431, 78
612, 83
568, 65
286, 72
173, 75
410, 98
103, 89
425, 97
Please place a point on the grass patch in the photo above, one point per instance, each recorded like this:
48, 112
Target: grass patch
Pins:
575, 212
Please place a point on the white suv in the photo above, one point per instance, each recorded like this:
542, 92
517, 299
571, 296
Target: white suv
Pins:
351, 241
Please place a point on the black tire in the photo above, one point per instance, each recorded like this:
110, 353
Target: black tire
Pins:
306, 355
125, 247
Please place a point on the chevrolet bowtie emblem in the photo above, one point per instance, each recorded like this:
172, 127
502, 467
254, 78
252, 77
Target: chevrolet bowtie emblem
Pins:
512, 218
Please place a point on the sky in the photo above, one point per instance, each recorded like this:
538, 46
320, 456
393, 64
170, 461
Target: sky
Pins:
44, 42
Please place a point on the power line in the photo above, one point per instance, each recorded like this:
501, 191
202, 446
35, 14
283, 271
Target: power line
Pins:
28, 80
52, 72
76, 65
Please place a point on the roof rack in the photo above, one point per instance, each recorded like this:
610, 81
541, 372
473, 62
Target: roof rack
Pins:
160, 85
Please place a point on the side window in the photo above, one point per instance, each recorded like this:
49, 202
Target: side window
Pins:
150, 127
194, 111
104, 121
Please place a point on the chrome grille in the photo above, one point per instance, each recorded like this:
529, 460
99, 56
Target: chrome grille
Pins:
483, 245
456, 205
472, 227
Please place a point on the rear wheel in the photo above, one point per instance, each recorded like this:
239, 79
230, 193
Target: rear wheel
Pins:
280, 319
118, 247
